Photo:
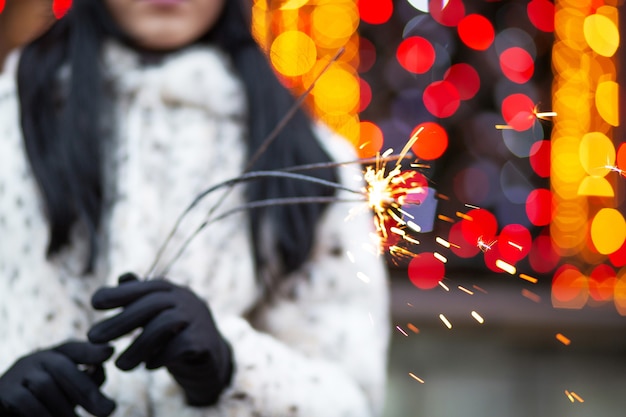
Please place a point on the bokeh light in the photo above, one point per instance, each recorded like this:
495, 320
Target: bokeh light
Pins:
464, 78
541, 14
479, 224
425, 271
517, 65
540, 158
602, 283
447, 13
293, 53
432, 141
370, 139
608, 230
570, 288
441, 99
476, 32
375, 12
416, 54
601, 34
60, 7
539, 207
518, 111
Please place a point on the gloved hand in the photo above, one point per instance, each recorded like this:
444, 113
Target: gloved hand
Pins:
49, 383
178, 333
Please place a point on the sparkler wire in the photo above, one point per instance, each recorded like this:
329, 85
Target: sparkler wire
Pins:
250, 206
250, 176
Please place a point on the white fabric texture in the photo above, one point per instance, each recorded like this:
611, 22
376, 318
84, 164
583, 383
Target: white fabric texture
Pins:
317, 349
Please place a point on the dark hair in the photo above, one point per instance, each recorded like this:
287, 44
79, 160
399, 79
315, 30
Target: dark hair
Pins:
61, 128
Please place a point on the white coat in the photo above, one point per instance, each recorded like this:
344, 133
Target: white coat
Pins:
317, 349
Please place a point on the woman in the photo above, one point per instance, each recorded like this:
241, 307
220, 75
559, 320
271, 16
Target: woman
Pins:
111, 122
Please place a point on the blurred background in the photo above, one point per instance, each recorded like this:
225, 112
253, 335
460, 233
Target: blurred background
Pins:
513, 301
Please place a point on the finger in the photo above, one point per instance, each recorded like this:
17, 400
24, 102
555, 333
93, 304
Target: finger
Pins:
137, 314
21, 402
127, 277
85, 353
78, 387
96, 374
126, 293
46, 390
178, 349
154, 337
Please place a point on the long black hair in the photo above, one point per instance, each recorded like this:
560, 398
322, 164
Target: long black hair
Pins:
62, 128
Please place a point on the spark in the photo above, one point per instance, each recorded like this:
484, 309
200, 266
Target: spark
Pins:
503, 127
444, 286
412, 328
528, 278
402, 331
484, 245
464, 216
506, 267
543, 115
615, 169
572, 396
414, 226
400, 251
445, 218
477, 317
415, 377
531, 295
515, 245
445, 321
350, 256
465, 290
363, 277
397, 231
443, 196
471, 206
563, 339
477, 288
410, 239
440, 257
442, 242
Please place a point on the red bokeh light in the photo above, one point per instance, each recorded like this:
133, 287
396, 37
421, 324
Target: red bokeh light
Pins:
1, 5
569, 287
476, 31
491, 256
370, 139
461, 247
416, 54
514, 242
518, 111
541, 14
367, 55
517, 64
375, 12
542, 257
539, 207
602, 283
425, 271
618, 258
441, 99
447, 13
465, 78
539, 157
479, 224
432, 141
621, 157
365, 97
60, 7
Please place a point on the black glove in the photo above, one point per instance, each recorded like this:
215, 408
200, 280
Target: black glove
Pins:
49, 383
178, 333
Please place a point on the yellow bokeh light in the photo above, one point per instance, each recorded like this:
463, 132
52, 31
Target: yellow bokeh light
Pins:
596, 187
337, 90
601, 34
289, 4
608, 230
596, 153
334, 23
607, 95
293, 53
